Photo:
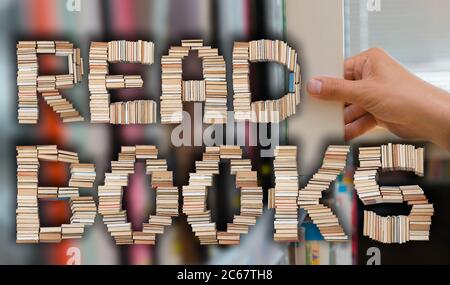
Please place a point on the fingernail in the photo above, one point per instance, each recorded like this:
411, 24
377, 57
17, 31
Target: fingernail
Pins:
314, 86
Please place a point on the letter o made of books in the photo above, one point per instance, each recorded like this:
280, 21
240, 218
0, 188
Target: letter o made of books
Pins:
195, 196
111, 194
271, 111
393, 229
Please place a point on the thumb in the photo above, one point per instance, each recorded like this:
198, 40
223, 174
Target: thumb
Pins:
335, 89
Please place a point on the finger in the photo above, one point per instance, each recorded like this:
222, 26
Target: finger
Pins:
359, 127
353, 112
349, 68
353, 66
359, 67
334, 89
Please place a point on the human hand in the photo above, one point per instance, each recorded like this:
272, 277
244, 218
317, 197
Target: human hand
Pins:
377, 90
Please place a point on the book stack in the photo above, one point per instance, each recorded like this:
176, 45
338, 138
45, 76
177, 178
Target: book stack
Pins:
46, 47
122, 113
111, 193
230, 152
286, 193
195, 196
62, 107
67, 192
123, 81
333, 165
46, 83
192, 43
241, 83
98, 71
393, 229
133, 52
251, 202
71, 157
82, 175
309, 197
400, 157
251, 208
48, 152
365, 178
72, 231
421, 213
391, 194
30, 83
27, 64
212, 90
50, 235
194, 91
133, 112
172, 77
271, 111
110, 197
49, 85
370, 157
166, 198
27, 214
390, 157
214, 73
386, 230
47, 192
83, 208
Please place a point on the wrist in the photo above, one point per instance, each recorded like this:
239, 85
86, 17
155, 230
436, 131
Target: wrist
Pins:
438, 119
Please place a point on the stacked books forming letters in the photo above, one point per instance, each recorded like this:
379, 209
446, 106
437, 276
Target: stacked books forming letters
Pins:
27, 214
308, 198
251, 200
241, 82
172, 78
83, 208
123, 113
390, 157
133, 52
212, 89
194, 91
214, 73
30, 83
98, 70
272, 111
393, 229
133, 112
386, 229
400, 229
286, 193
110, 196
195, 196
